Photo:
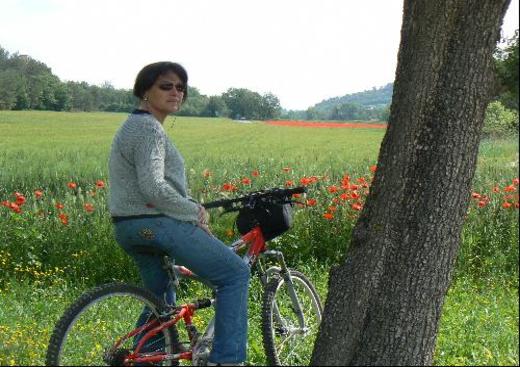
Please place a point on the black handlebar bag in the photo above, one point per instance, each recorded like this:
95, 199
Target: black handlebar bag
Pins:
273, 218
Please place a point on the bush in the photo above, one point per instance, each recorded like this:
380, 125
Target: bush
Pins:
499, 121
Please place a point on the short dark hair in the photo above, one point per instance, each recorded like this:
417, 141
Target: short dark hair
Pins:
150, 73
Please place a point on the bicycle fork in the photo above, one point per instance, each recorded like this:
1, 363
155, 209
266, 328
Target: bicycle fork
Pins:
284, 272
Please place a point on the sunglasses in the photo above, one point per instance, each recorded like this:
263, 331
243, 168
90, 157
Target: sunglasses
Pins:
181, 88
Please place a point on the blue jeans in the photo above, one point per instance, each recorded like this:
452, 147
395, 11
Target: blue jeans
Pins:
207, 257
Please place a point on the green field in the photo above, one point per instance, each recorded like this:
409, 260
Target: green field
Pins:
44, 263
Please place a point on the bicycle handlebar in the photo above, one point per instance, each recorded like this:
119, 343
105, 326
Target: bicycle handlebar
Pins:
278, 194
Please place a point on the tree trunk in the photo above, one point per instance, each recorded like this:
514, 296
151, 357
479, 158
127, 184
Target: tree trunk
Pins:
385, 300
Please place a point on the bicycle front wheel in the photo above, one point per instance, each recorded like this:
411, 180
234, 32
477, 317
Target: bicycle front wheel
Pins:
89, 329
286, 340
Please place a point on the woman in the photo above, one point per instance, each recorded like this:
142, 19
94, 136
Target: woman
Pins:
150, 206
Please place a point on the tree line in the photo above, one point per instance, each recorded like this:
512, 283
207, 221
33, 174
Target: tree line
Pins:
28, 84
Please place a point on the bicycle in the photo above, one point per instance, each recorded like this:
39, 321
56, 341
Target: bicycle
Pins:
100, 327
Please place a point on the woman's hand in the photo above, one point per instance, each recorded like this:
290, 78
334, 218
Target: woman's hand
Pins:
204, 220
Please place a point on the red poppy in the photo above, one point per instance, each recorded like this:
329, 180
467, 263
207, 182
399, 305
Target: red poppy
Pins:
357, 206
344, 196
38, 194
311, 202
305, 181
246, 181
516, 181
296, 196
510, 188
475, 195
64, 218
332, 189
72, 185
6, 203
100, 184
482, 203
15, 208
328, 216
255, 173
59, 206
506, 205
314, 179
229, 187
354, 195
89, 208
20, 199
289, 183
354, 187
496, 189
332, 209
373, 168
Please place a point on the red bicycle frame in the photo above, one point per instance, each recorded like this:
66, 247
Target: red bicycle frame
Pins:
255, 240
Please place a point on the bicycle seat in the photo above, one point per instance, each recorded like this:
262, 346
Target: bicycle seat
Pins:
148, 250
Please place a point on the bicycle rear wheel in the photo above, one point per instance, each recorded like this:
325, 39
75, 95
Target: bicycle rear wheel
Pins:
285, 341
91, 326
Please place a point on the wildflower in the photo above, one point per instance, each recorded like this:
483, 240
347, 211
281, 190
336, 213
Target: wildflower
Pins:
100, 184
64, 218
229, 187
344, 196
506, 205
286, 169
314, 179
328, 216
354, 195
510, 188
516, 181
246, 181
15, 208
59, 206
89, 208
332, 189
20, 199
305, 181
72, 185
357, 206
373, 168
38, 194
289, 183
354, 187
230, 232
255, 173
332, 208
482, 203
475, 195
6, 203
496, 189
296, 196
311, 202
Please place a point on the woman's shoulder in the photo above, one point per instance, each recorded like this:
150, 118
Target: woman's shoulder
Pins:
142, 124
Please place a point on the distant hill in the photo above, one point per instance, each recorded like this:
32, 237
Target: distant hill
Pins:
376, 97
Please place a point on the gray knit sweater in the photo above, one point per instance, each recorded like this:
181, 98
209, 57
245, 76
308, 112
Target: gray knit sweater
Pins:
146, 172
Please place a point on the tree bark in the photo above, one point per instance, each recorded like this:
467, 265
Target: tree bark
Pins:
385, 300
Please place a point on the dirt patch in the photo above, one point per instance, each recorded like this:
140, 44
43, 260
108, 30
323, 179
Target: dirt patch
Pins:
326, 124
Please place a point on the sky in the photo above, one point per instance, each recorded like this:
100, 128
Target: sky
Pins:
302, 51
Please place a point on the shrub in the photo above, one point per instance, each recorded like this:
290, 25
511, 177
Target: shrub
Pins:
499, 121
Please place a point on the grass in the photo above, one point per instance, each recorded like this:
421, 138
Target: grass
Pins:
45, 264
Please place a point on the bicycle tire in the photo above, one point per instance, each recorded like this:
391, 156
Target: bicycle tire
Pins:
274, 335
119, 297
